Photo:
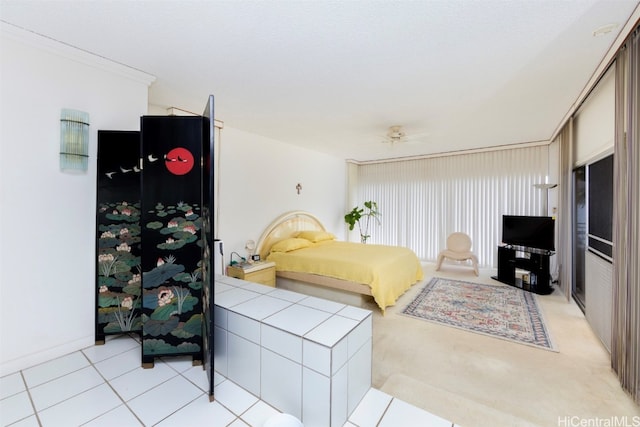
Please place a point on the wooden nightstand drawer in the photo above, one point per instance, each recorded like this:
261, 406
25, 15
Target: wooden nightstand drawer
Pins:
261, 272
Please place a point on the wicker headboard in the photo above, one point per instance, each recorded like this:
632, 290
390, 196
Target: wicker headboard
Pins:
285, 226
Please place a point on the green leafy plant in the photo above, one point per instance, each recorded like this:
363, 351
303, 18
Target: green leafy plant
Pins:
362, 216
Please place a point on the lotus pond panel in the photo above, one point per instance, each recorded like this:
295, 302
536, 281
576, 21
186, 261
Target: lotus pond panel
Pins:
118, 247
171, 228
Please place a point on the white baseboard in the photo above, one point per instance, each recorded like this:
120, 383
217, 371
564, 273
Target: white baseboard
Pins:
29, 360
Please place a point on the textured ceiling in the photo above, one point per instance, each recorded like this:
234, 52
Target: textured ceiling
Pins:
334, 75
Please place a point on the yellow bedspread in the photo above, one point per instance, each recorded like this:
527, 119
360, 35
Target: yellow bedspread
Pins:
388, 270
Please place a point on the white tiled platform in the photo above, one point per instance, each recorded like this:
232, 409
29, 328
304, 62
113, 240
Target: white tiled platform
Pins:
179, 399
305, 356
106, 385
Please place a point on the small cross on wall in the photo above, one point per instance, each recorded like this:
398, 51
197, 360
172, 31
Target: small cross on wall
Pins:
298, 188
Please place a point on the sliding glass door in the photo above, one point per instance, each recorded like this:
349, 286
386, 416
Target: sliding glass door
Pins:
579, 235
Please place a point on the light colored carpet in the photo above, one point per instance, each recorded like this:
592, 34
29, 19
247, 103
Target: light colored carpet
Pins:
475, 380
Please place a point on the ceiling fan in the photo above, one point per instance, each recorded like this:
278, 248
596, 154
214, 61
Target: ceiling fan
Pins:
396, 134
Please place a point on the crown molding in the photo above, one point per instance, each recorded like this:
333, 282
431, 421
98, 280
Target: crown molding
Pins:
175, 111
70, 52
451, 153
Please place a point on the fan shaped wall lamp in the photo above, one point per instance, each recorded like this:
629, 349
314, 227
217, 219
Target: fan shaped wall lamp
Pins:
74, 140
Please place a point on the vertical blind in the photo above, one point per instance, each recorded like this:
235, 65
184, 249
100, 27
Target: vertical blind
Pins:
422, 201
625, 342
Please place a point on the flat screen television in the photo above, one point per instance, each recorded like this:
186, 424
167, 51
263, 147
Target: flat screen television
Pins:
531, 231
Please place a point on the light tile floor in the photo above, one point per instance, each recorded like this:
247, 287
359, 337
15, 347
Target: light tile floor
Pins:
106, 386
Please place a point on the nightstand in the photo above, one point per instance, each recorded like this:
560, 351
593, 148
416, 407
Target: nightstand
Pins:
263, 272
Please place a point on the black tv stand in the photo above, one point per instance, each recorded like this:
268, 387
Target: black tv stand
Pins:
534, 261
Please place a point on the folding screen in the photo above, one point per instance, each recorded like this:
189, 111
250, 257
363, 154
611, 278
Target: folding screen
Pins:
155, 236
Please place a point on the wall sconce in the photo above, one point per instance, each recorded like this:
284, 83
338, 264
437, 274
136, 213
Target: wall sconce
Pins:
74, 140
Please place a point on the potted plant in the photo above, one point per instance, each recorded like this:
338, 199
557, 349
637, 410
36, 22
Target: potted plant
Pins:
362, 216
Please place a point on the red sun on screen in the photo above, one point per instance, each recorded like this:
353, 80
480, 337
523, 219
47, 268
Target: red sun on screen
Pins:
179, 161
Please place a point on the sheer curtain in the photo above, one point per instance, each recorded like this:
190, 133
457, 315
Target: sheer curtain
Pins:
422, 201
625, 348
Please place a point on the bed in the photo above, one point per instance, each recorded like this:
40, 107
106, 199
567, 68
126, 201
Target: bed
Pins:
305, 252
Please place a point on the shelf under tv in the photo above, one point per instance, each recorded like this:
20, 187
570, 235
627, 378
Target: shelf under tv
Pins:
535, 262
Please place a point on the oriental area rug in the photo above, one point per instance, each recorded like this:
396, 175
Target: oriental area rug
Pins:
496, 310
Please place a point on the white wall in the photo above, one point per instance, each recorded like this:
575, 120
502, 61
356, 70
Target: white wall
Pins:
47, 223
258, 178
47, 218
594, 123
